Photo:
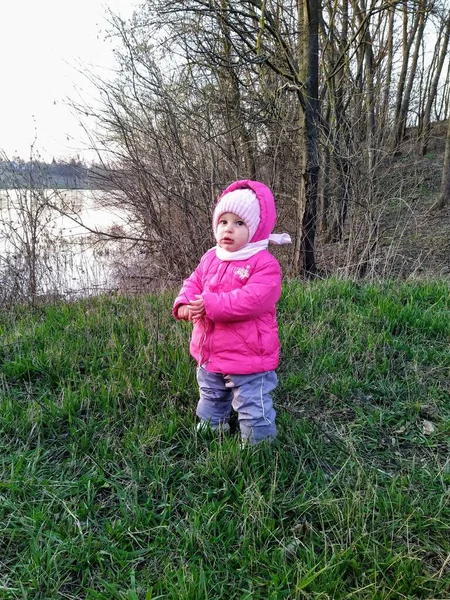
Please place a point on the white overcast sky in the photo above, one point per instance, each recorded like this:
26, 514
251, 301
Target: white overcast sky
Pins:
43, 46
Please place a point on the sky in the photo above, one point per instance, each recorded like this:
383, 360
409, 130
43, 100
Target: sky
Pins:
45, 46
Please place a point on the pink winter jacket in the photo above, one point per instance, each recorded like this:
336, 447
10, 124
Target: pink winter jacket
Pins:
239, 333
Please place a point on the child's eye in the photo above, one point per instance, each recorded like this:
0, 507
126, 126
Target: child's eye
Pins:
240, 223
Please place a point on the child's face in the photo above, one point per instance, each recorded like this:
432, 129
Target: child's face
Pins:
232, 233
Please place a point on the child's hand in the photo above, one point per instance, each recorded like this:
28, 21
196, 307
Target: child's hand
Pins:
184, 312
197, 308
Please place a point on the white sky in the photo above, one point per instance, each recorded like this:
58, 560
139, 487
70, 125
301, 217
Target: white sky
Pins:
43, 46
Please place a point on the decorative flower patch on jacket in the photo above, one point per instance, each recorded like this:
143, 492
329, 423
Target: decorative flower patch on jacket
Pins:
243, 272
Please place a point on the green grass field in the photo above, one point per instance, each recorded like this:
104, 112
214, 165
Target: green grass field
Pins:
108, 492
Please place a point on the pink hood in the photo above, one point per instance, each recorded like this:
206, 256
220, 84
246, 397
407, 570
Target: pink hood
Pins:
266, 204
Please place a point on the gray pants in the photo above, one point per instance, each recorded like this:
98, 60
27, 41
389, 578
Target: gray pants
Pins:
250, 397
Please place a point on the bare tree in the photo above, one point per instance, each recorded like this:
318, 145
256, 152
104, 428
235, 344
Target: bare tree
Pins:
25, 217
226, 47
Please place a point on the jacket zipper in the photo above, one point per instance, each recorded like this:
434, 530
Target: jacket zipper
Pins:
202, 342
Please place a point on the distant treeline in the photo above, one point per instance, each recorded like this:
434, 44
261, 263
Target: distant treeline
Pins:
73, 174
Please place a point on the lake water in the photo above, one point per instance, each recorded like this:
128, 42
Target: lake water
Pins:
70, 259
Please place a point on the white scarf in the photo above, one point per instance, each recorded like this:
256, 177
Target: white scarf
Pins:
253, 248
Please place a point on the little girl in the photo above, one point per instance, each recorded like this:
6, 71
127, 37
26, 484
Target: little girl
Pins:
231, 298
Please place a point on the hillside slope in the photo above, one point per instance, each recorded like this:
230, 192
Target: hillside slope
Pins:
414, 240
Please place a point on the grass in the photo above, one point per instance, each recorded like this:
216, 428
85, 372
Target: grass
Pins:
108, 492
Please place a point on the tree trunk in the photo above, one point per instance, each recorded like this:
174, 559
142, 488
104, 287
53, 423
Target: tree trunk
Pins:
339, 134
444, 198
324, 183
304, 257
407, 41
384, 117
443, 108
370, 92
400, 124
301, 200
433, 89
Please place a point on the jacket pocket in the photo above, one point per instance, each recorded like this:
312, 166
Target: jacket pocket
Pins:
236, 339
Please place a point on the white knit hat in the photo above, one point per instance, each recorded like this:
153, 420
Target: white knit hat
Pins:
242, 202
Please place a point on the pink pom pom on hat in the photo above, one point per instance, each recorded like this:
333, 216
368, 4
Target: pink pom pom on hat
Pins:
242, 202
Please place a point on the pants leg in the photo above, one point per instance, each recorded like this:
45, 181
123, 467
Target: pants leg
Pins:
215, 401
253, 402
